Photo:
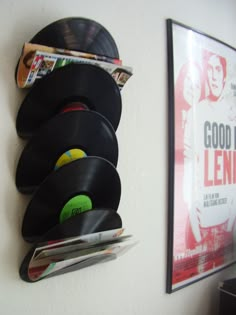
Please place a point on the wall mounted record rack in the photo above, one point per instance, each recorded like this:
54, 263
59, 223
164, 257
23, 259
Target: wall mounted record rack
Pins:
69, 163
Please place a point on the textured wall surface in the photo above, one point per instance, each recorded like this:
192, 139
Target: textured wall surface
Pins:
134, 284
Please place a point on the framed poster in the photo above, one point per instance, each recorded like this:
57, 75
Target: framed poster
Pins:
202, 155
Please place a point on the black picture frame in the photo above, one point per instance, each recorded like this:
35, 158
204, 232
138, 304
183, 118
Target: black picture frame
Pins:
201, 178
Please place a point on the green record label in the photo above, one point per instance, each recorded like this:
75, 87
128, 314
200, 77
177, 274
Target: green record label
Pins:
74, 206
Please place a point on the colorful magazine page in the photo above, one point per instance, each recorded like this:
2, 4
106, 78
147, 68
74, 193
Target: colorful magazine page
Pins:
43, 249
39, 269
64, 250
36, 61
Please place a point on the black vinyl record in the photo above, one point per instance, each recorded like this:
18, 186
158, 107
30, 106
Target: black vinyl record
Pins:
76, 33
79, 34
90, 85
24, 268
82, 130
93, 180
91, 221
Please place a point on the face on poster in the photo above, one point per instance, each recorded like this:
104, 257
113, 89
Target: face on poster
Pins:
202, 210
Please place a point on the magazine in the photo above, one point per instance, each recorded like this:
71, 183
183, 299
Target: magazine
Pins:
61, 246
60, 254
36, 61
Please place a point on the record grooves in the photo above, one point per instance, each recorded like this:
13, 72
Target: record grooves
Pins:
76, 33
85, 130
69, 164
83, 83
91, 176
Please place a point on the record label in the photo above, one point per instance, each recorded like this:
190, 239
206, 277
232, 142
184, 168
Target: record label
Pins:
74, 206
73, 106
69, 156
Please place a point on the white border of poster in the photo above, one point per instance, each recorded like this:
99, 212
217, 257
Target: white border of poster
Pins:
202, 155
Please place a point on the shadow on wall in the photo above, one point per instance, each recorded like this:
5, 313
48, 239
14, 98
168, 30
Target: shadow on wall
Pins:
14, 203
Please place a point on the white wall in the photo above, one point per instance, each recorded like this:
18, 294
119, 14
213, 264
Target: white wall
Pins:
134, 284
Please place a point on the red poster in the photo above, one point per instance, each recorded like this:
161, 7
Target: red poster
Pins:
202, 179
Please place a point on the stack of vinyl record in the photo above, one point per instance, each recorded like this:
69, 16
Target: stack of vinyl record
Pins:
69, 118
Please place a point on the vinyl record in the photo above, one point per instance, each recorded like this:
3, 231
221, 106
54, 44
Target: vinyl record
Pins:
64, 138
91, 221
90, 85
25, 274
81, 185
76, 33
79, 34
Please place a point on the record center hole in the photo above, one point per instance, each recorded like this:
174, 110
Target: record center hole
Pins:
74, 106
74, 206
69, 156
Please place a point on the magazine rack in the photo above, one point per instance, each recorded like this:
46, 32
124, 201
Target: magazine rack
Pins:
69, 162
